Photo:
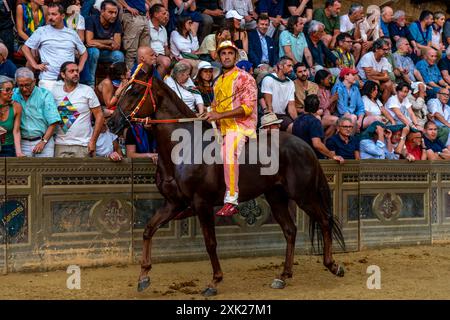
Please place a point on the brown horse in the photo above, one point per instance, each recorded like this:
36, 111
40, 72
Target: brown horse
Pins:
200, 187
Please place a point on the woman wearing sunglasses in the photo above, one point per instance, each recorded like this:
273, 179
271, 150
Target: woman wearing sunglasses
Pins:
10, 114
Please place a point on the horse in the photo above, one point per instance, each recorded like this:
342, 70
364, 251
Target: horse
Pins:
195, 189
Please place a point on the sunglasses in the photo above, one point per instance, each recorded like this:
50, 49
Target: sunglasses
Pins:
347, 127
7, 90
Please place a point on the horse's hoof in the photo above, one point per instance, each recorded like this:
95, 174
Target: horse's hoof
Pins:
209, 292
340, 271
278, 284
143, 284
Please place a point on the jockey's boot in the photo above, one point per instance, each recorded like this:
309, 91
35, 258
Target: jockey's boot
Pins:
228, 210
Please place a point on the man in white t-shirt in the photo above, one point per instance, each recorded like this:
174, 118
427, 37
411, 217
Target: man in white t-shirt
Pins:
374, 66
159, 17
56, 44
440, 111
355, 14
400, 107
75, 136
279, 93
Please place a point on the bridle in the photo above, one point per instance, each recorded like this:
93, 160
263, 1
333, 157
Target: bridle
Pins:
148, 92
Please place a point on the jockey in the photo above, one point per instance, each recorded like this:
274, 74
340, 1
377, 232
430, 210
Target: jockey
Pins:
235, 111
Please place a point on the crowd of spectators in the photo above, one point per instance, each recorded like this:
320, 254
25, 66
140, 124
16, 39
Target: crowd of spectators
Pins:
368, 83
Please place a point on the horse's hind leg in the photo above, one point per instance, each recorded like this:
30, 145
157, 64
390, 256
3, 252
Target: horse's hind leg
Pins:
162, 215
279, 203
315, 212
206, 217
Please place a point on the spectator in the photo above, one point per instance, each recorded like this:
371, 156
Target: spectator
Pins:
345, 58
56, 44
400, 107
246, 66
309, 128
370, 29
39, 116
7, 67
140, 143
387, 14
107, 144
403, 64
446, 33
414, 147
263, 48
212, 13
421, 32
279, 93
398, 28
208, 48
303, 87
322, 56
343, 143
393, 151
293, 42
374, 140
30, 15
75, 137
329, 16
436, 150
182, 40
238, 36
187, 8
372, 106
327, 101
136, 31
355, 16
110, 88
444, 66
159, 17
204, 82
103, 38
440, 111
417, 99
74, 20
270, 121
302, 8
274, 9
245, 9
430, 73
7, 25
180, 82
350, 103
374, 66
10, 115
437, 30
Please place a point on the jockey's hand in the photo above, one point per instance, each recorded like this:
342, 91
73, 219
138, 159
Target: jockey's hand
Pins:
213, 116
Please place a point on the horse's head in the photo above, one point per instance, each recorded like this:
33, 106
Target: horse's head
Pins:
136, 101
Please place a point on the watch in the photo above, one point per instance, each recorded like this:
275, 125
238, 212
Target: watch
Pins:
44, 140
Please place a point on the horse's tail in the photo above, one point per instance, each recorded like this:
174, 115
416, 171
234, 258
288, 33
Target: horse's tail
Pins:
315, 231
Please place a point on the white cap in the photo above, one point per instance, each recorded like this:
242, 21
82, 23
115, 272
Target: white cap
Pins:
233, 14
415, 86
206, 65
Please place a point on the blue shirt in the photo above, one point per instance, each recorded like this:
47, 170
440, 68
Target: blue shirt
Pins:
137, 4
272, 8
430, 73
436, 145
307, 127
405, 62
264, 48
420, 36
297, 43
321, 55
396, 30
370, 149
444, 64
8, 68
348, 101
384, 27
345, 150
38, 112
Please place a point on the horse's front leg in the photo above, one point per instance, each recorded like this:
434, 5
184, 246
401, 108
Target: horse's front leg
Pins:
205, 215
162, 215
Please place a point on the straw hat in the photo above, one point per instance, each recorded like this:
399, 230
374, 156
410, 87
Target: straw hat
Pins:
227, 44
269, 119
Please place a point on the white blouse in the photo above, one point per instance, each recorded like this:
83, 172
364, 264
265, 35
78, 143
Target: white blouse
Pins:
189, 98
373, 107
179, 44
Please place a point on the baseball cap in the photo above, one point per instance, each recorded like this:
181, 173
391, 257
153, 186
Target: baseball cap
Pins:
346, 71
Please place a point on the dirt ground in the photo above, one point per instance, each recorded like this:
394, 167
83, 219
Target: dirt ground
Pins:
421, 272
